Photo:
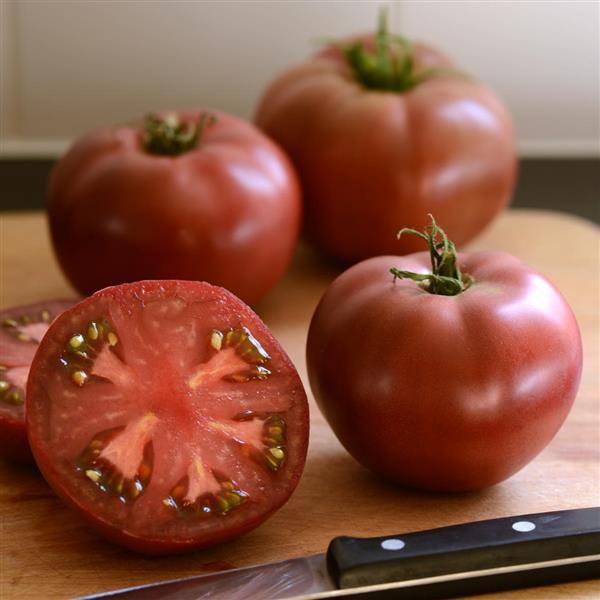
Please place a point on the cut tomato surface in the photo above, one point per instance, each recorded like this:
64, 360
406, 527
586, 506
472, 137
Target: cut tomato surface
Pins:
21, 330
168, 414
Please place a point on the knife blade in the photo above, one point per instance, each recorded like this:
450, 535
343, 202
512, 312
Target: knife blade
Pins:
458, 560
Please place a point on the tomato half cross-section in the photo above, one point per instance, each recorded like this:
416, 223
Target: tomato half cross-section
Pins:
189, 195
382, 132
447, 377
21, 330
167, 414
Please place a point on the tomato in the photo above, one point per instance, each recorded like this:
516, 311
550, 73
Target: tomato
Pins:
186, 196
451, 382
382, 138
167, 414
21, 330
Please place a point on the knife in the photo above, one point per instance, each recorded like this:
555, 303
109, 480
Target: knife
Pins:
472, 558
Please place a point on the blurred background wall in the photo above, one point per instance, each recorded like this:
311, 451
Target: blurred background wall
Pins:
70, 65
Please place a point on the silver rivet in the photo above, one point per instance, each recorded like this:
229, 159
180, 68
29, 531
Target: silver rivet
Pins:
523, 526
392, 544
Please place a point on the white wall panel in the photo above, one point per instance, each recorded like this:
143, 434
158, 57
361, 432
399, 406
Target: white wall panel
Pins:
85, 63
542, 57
77, 64
9, 117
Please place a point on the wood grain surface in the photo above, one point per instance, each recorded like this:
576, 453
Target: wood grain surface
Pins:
48, 552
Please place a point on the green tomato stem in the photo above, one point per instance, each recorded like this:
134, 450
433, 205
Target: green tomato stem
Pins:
168, 136
446, 278
391, 67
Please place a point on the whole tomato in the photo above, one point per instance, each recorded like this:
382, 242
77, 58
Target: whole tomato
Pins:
445, 378
202, 196
383, 132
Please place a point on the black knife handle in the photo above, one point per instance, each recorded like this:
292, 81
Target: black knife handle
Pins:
471, 547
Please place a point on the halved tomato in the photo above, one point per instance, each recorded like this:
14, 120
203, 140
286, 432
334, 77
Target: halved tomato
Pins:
21, 330
168, 414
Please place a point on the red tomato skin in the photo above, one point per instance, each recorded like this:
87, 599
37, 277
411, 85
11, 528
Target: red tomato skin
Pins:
227, 212
444, 393
160, 546
371, 162
298, 431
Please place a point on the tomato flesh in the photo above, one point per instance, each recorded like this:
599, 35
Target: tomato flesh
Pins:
168, 414
21, 330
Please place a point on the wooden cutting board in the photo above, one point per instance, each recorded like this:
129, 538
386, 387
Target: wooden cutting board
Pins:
48, 552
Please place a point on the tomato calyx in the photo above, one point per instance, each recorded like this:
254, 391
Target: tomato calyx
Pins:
391, 67
446, 278
168, 136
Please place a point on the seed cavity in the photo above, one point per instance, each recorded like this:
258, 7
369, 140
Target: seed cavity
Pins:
14, 325
83, 348
273, 437
248, 348
95, 461
228, 497
9, 393
238, 357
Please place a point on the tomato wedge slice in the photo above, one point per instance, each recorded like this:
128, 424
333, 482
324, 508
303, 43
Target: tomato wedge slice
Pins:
21, 330
168, 414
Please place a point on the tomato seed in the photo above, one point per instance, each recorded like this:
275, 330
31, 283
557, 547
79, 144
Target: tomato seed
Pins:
92, 331
76, 341
93, 475
277, 453
79, 377
216, 339
221, 502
